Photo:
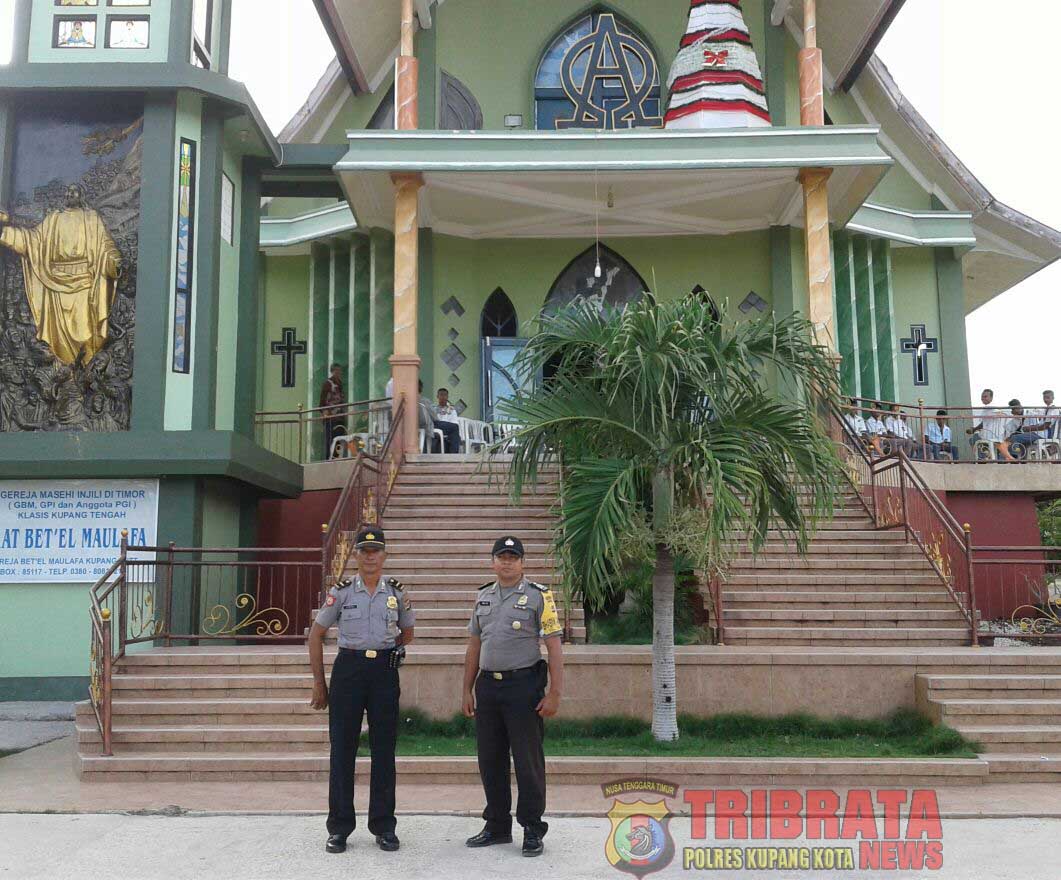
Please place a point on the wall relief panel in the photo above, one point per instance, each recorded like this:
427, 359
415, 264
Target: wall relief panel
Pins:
68, 262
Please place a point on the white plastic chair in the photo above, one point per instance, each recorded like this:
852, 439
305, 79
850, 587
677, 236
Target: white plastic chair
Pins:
1045, 450
474, 433
422, 434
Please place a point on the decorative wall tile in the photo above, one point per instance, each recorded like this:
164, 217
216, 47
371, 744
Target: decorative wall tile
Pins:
453, 357
454, 379
453, 334
452, 306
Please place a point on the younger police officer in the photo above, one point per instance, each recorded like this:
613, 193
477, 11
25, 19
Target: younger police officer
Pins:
375, 619
505, 689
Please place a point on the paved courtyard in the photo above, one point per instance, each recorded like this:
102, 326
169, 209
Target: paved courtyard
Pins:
288, 847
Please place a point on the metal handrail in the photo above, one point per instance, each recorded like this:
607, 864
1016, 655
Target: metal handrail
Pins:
353, 404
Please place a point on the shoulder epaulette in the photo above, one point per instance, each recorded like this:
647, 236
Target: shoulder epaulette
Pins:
395, 584
539, 587
487, 586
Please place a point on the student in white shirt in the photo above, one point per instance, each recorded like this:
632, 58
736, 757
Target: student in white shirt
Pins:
875, 429
991, 426
899, 434
860, 428
938, 439
1051, 416
1021, 433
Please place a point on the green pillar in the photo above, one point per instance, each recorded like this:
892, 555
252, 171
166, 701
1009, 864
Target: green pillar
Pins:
180, 520
381, 304
208, 270
250, 306
339, 309
361, 318
775, 71
319, 287
785, 295
7, 148
20, 32
950, 288
150, 365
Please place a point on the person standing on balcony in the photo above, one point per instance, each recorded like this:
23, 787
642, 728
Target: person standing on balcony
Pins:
376, 619
990, 428
1051, 416
332, 400
505, 691
1021, 434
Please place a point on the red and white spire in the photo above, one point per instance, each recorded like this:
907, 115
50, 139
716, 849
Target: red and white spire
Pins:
716, 81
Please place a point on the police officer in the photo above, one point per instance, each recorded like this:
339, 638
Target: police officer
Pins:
375, 618
505, 683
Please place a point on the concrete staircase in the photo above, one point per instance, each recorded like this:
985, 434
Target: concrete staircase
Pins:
441, 523
856, 586
1016, 719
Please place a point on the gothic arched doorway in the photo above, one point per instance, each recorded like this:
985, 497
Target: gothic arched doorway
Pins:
500, 344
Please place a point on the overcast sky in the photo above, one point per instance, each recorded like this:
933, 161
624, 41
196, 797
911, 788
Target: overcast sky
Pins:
946, 56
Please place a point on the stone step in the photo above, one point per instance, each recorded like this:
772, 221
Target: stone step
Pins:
992, 687
1021, 739
694, 772
832, 564
478, 566
281, 739
1007, 768
955, 712
828, 549
469, 477
842, 582
456, 634
467, 490
750, 599
875, 637
410, 548
469, 581
501, 522
443, 533
845, 617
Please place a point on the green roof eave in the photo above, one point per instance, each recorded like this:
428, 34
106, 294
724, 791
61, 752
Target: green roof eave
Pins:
312, 226
648, 150
919, 228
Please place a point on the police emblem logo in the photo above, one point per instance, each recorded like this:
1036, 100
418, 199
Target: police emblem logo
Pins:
330, 601
510, 543
392, 602
522, 601
370, 537
640, 841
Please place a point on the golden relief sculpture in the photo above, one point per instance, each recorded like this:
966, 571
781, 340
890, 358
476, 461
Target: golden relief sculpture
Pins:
70, 264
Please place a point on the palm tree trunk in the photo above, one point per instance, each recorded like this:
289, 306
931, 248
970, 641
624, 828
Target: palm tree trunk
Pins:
664, 689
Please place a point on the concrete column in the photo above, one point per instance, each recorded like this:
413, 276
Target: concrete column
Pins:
405, 364
381, 310
816, 186
339, 311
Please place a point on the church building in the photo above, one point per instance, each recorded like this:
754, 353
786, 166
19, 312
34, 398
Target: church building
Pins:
175, 278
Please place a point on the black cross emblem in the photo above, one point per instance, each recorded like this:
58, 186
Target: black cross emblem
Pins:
288, 347
920, 346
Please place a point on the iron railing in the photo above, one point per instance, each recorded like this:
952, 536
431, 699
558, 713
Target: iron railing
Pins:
1020, 588
896, 496
309, 435
974, 432
363, 500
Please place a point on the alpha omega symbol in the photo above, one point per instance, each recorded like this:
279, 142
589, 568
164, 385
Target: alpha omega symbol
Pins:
612, 79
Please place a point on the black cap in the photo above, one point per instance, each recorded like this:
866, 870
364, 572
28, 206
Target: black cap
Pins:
508, 544
370, 537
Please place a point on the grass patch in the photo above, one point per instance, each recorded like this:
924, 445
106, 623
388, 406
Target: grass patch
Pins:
903, 734
633, 629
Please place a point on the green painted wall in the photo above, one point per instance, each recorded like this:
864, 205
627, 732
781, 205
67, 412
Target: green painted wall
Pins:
950, 282
899, 190
180, 387
41, 49
228, 328
286, 298
471, 270
44, 630
916, 302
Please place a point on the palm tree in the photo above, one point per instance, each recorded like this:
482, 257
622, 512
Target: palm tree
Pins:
673, 415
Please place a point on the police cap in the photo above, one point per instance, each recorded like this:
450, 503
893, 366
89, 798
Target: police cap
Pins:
370, 538
508, 544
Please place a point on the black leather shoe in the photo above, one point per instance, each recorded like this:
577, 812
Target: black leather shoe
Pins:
388, 841
487, 838
532, 844
336, 843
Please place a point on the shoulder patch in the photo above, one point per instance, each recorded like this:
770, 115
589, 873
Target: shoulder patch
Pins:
395, 584
539, 587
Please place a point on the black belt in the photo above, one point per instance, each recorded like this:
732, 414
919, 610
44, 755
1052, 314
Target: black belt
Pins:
368, 655
510, 673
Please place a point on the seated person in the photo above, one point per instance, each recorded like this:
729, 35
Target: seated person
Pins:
430, 422
899, 434
876, 430
1051, 417
990, 428
855, 423
938, 439
1021, 434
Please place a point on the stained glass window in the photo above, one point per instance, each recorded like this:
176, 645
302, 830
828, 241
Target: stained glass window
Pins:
599, 73
182, 310
128, 33
75, 33
499, 316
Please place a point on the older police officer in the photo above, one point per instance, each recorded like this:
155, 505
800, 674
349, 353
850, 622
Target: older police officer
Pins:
505, 689
375, 618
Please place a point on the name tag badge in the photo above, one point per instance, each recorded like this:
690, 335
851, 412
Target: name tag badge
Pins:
392, 601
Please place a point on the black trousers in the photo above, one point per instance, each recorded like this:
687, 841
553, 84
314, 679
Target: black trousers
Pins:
452, 434
361, 685
506, 723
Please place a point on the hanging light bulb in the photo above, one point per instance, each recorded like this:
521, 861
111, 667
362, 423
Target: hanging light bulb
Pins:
597, 269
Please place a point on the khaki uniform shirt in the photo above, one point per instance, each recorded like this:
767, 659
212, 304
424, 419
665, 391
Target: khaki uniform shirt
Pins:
368, 621
511, 623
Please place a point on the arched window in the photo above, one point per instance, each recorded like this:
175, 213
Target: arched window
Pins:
619, 283
499, 316
598, 73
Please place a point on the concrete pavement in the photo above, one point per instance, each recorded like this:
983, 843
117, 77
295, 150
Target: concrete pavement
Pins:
24, 725
288, 847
